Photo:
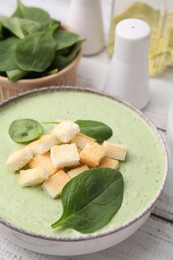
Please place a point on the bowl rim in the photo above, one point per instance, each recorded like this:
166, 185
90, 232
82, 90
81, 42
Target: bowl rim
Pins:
4, 80
91, 236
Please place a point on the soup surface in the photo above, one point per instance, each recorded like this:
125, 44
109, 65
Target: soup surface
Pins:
143, 170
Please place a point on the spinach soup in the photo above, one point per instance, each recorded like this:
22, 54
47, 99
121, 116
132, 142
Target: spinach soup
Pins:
144, 170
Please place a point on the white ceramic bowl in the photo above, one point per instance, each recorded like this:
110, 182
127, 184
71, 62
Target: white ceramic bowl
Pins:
134, 130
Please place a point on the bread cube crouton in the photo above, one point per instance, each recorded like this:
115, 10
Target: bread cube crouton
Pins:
43, 160
108, 163
74, 172
19, 159
81, 140
115, 151
64, 155
65, 131
32, 177
92, 154
43, 144
54, 185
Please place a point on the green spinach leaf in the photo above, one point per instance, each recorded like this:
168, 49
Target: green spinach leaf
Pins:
95, 129
91, 199
25, 130
29, 26
13, 25
65, 39
36, 51
7, 53
14, 75
62, 60
19, 27
32, 13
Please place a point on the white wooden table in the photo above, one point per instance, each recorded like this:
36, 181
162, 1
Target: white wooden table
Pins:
154, 240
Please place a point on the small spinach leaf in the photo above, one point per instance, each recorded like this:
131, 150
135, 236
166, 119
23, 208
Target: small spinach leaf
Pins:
36, 51
7, 53
95, 129
91, 199
25, 130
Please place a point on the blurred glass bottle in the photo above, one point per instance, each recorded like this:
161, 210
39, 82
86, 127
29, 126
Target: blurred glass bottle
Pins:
159, 15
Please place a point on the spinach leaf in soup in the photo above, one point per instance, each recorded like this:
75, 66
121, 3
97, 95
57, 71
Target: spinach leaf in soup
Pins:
32, 13
25, 130
7, 53
97, 130
91, 199
36, 51
65, 39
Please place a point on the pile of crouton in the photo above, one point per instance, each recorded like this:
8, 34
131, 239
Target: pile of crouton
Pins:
55, 158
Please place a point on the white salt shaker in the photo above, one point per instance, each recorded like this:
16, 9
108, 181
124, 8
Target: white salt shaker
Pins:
86, 19
128, 73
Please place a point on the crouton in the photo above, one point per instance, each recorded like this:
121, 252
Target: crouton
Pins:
32, 177
81, 140
64, 155
43, 144
77, 171
115, 151
19, 159
92, 154
108, 163
65, 131
44, 161
54, 185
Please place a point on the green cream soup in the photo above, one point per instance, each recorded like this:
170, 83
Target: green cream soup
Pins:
144, 169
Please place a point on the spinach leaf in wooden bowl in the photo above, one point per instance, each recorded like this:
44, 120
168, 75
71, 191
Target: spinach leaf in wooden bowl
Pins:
33, 45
